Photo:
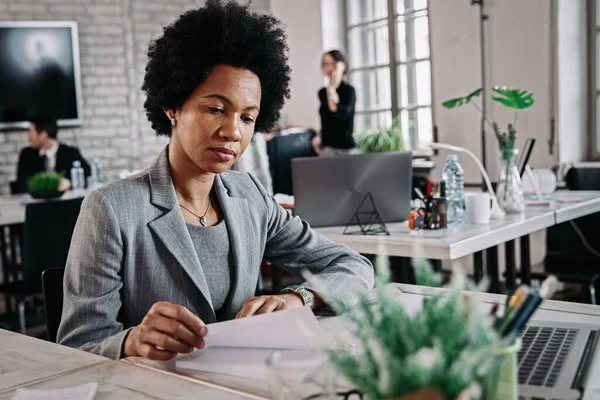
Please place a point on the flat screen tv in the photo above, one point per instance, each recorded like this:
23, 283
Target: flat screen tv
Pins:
39, 72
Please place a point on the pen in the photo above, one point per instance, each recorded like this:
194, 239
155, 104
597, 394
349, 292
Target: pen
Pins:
525, 313
515, 302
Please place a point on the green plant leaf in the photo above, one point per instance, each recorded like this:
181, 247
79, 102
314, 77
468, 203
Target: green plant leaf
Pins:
453, 103
475, 93
460, 101
517, 99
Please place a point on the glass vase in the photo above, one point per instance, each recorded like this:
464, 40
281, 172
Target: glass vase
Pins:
510, 190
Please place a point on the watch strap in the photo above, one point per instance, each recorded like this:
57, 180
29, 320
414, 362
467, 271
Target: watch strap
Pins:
302, 292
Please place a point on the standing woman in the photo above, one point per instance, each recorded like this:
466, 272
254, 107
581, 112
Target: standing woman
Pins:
338, 100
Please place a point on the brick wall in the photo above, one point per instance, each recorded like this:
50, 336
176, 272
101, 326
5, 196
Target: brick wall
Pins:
113, 40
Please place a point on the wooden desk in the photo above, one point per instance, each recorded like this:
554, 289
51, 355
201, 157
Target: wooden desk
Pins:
120, 380
24, 359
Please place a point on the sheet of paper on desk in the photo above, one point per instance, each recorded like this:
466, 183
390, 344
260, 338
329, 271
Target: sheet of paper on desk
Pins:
239, 347
81, 392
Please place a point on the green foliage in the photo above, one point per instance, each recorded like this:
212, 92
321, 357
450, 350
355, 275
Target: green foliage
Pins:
382, 140
44, 182
517, 99
459, 101
447, 345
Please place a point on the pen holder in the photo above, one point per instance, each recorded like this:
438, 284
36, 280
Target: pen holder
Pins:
503, 384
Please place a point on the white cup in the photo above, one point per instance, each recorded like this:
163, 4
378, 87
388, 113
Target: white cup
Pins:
477, 208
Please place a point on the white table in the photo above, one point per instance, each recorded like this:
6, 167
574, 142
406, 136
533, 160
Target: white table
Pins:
12, 207
454, 243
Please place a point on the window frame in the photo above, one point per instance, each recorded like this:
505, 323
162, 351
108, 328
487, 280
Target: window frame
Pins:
593, 28
394, 64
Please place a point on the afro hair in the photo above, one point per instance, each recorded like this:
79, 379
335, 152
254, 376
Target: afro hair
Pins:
218, 33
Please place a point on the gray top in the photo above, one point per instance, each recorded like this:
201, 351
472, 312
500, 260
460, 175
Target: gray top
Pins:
212, 245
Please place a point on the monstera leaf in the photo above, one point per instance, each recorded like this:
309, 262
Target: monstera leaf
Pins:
517, 99
459, 101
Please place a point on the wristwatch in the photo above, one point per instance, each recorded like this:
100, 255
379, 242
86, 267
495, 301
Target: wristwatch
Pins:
302, 292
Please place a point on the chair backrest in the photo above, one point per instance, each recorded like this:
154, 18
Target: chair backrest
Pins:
49, 227
281, 150
52, 285
14, 187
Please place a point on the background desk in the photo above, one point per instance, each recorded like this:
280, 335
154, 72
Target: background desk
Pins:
454, 243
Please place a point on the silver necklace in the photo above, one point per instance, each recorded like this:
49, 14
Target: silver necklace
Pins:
201, 217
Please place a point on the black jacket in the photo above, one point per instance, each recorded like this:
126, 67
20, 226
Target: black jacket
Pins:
30, 163
337, 127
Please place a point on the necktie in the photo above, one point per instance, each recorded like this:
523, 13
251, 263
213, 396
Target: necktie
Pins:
45, 162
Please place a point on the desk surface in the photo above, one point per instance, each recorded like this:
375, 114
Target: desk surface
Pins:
24, 359
453, 243
120, 380
446, 244
12, 207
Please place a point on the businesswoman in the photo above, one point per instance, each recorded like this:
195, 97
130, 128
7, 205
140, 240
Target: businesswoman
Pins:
337, 103
159, 255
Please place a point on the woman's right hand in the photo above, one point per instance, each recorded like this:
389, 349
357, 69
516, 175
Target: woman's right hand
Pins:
166, 330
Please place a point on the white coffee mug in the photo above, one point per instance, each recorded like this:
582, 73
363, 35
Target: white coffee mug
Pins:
477, 208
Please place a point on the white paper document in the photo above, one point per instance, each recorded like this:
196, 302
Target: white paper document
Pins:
81, 392
240, 346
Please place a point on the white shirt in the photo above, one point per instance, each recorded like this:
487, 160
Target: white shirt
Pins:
51, 155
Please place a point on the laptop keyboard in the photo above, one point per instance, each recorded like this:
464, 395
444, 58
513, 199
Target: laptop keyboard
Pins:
543, 354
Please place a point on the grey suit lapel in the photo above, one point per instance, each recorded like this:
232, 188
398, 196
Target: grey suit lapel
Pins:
241, 238
170, 227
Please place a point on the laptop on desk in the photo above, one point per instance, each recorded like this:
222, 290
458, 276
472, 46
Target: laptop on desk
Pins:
328, 190
559, 361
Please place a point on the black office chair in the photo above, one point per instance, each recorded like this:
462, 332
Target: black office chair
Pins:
567, 257
281, 150
49, 227
52, 287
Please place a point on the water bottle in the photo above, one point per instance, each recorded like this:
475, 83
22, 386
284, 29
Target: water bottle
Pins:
96, 178
454, 178
77, 177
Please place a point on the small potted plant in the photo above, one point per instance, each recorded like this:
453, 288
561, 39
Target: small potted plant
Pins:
45, 185
382, 140
509, 190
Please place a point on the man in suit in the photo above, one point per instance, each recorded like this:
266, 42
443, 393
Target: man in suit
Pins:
46, 154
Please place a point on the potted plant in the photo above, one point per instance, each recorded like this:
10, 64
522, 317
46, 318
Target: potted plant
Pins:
509, 190
382, 140
445, 351
44, 185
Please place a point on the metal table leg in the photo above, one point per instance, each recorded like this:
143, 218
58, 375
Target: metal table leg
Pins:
525, 261
478, 266
510, 266
492, 269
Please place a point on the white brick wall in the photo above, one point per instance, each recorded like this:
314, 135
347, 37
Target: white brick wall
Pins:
113, 40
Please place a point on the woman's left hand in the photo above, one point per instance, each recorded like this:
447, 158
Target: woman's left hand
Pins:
269, 304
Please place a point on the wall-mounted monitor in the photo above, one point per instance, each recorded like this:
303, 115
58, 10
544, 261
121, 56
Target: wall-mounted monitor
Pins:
39, 72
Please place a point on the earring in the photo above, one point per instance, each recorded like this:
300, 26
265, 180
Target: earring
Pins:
173, 122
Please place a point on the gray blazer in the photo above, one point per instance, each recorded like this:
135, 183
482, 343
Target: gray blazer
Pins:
131, 248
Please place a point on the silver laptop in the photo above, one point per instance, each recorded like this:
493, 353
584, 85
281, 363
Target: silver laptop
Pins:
328, 190
557, 361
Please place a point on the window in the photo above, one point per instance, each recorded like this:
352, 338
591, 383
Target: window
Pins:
390, 67
594, 77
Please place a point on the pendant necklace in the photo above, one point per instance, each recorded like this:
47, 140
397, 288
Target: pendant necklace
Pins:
201, 217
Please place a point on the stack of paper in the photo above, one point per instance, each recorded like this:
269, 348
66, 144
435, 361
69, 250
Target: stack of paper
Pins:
239, 347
